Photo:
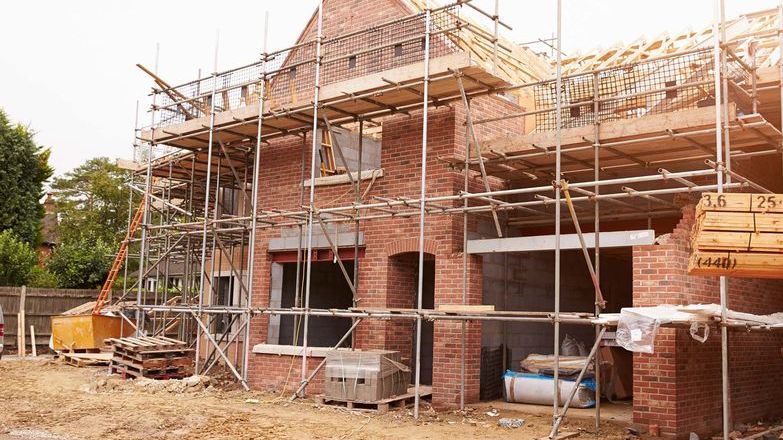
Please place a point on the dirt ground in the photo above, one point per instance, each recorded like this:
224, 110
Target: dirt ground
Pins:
46, 399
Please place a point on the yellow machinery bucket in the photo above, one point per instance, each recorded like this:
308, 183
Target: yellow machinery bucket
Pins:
86, 332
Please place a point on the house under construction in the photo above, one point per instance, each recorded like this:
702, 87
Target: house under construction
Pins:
403, 178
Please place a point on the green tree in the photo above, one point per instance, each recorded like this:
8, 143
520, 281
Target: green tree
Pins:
92, 201
24, 167
17, 259
81, 263
41, 277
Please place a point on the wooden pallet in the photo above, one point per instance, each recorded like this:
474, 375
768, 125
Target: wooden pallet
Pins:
160, 374
147, 343
380, 406
87, 359
84, 350
156, 358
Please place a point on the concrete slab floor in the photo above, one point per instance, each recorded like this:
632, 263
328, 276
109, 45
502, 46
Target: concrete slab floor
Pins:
619, 412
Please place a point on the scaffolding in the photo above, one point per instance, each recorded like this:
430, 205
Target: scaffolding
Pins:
204, 155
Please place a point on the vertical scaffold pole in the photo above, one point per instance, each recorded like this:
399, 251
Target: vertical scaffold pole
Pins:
422, 211
597, 226
358, 201
146, 215
464, 266
130, 198
725, 91
206, 202
311, 206
724, 345
251, 252
780, 63
558, 123
495, 19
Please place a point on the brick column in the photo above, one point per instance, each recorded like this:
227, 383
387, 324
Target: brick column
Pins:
447, 345
678, 388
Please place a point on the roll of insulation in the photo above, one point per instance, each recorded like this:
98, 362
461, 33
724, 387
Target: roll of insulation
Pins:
539, 390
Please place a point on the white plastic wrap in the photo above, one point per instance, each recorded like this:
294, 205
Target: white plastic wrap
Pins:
638, 326
636, 332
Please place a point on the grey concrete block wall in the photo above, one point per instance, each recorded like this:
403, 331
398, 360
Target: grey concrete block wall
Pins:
349, 144
525, 281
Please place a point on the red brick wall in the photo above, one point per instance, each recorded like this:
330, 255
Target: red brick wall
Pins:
678, 387
385, 281
401, 163
381, 280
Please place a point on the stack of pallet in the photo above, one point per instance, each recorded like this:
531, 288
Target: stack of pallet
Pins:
738, 235
154, 358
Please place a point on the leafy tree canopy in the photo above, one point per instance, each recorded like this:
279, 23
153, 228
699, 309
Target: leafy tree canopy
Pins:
92, 201
17, 259
81, 263
24, 167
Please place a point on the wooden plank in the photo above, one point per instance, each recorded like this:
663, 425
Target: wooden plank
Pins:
722, 241
730, 202
766, 242
32, 341
20, 320
748, 265
738, 241
457, 308
731, 221
740, 202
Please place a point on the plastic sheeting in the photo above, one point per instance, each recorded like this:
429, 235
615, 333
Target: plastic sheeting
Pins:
638, 326
539, 390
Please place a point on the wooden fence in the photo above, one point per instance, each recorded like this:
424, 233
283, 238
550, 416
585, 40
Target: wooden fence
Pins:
40, 304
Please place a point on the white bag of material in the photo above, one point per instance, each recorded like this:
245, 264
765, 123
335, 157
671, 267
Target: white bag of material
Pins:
636, 332
571, 347
539, 390
638, 326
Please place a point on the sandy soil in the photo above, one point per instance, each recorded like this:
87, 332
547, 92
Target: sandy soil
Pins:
45, 399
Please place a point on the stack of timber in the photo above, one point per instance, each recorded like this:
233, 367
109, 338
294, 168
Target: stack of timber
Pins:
738, 235
153, 358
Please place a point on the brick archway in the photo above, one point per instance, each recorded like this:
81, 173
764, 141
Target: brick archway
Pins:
406, 245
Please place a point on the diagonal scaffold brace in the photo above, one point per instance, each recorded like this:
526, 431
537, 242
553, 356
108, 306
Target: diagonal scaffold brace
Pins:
599, 297
590, 359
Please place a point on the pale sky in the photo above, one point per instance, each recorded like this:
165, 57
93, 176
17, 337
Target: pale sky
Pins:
67, 68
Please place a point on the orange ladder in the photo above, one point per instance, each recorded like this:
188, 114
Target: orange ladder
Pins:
119, 259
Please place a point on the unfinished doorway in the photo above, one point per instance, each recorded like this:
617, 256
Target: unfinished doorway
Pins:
524, 281
329, 290
402, 291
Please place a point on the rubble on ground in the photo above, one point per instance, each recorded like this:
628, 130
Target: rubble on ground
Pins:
114, 383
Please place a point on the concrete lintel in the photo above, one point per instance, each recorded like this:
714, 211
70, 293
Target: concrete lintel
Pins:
567, 241
341, 240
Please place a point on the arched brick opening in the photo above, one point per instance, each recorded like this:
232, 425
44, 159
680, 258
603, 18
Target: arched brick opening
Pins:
401, 292
406, 245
